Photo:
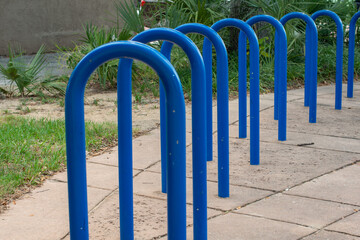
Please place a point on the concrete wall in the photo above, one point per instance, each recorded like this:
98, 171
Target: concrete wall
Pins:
34, 22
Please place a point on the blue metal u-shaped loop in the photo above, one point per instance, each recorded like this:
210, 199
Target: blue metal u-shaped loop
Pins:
75, 140
222, 97
198, 116
280, 97
350, 81
223, 124
222, 87
311, 58
339, 52
254, 86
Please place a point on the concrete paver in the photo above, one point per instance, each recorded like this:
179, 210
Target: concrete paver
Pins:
305, 211
150, 221
281, 166
241, 227
146, 151
330, 122
98, 175
307, 139
42, 214
149, 184
326, 235
338, 186
348, 225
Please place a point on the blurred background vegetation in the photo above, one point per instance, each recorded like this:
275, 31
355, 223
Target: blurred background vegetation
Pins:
140, 15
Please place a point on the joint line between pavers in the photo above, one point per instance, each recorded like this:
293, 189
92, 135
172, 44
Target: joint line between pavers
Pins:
304, 146
100, 163
309, 180
323, 228
345, 233
95, 207
309, 147
320, 199
245, 186
277, 220
318, 134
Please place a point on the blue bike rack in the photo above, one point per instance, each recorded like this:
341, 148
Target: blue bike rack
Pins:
311, 56
222, 87
223, 163
339, 52
199, 182
172, 112
350, 83
198, 116
280, 96
75, 140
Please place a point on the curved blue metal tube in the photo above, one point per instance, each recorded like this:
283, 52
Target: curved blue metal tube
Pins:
198, 117
311, 57
254, 87
339, 52
222, 96
223, 124
75, 141
222, 87
280, 98
350, 81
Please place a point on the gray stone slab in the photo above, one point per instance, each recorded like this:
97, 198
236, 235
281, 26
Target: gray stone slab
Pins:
326, 235
98, 176
241, 227
297, 138
43, 213
150, 217
329, 101
348, 225
330, 122
340, 186
108, 158
149, 184
281, 166
299, 210
146, 151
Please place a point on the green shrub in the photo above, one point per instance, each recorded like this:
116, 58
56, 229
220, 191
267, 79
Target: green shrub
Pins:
25, 78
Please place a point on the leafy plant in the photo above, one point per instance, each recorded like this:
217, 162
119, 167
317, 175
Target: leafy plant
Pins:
94, 37
25, 77
131, 15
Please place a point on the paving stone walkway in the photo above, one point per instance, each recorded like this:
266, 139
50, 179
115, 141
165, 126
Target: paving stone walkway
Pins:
307, 187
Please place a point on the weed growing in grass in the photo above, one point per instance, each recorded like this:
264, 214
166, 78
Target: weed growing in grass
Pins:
32, 149
62, 102
96, 102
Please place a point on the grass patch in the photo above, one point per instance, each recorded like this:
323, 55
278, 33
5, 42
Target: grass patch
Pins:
31, 150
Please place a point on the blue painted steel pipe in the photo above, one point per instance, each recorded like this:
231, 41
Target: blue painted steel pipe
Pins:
280, 97
339, 52
223, 167
350, 82
198, 117
222, 96
222, 86
311, 57
200, 230
75, 141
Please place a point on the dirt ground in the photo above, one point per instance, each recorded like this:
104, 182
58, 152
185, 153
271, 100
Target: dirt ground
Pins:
99, 107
